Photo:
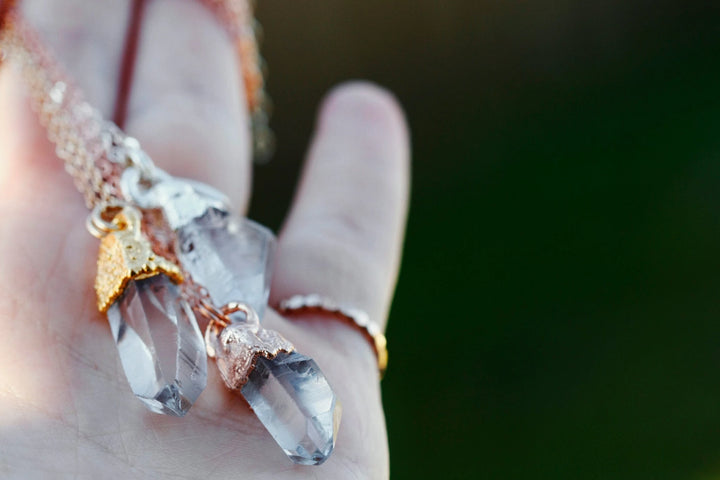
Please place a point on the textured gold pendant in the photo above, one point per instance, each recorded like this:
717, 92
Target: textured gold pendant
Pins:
125, 255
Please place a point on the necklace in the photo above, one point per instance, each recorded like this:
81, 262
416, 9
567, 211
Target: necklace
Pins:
172, 253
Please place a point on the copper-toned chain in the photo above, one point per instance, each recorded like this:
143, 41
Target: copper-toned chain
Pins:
94, 150
238, 18
80, 135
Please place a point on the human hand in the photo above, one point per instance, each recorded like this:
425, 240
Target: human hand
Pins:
65, 407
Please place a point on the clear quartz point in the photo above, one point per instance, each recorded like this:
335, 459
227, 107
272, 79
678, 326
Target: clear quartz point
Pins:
160, 346
293, 400
230, 256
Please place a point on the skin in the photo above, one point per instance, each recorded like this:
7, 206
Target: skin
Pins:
65, 407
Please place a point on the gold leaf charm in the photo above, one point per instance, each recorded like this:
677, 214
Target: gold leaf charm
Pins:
125, 254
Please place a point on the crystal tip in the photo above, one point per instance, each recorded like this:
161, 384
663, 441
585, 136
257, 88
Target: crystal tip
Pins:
319, 457
293, 399
169, 402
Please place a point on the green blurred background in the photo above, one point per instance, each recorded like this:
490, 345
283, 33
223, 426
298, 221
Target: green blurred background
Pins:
557, 310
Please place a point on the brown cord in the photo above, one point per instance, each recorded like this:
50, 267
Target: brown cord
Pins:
127, 67
5, 7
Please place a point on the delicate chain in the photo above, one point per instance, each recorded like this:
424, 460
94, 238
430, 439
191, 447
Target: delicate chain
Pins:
95, 151
237, 15
76, 128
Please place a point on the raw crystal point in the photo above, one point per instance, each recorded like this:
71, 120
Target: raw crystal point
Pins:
160, 345
287, 391
230, 256
292, 398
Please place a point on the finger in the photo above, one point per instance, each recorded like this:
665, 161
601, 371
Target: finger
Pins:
343, 236
185, 105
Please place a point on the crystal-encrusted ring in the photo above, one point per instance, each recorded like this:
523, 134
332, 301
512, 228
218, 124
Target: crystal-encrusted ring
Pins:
314, 303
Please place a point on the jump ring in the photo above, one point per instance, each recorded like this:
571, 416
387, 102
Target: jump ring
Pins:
97, 225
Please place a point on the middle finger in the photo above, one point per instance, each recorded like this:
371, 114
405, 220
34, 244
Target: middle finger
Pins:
185, 105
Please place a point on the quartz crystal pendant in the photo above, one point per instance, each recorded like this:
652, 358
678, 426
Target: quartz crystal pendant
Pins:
286, 390
160, 345
230, 256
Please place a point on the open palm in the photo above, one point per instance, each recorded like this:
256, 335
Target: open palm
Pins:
65, 407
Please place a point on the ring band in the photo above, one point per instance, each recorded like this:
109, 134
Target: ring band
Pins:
315, 303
